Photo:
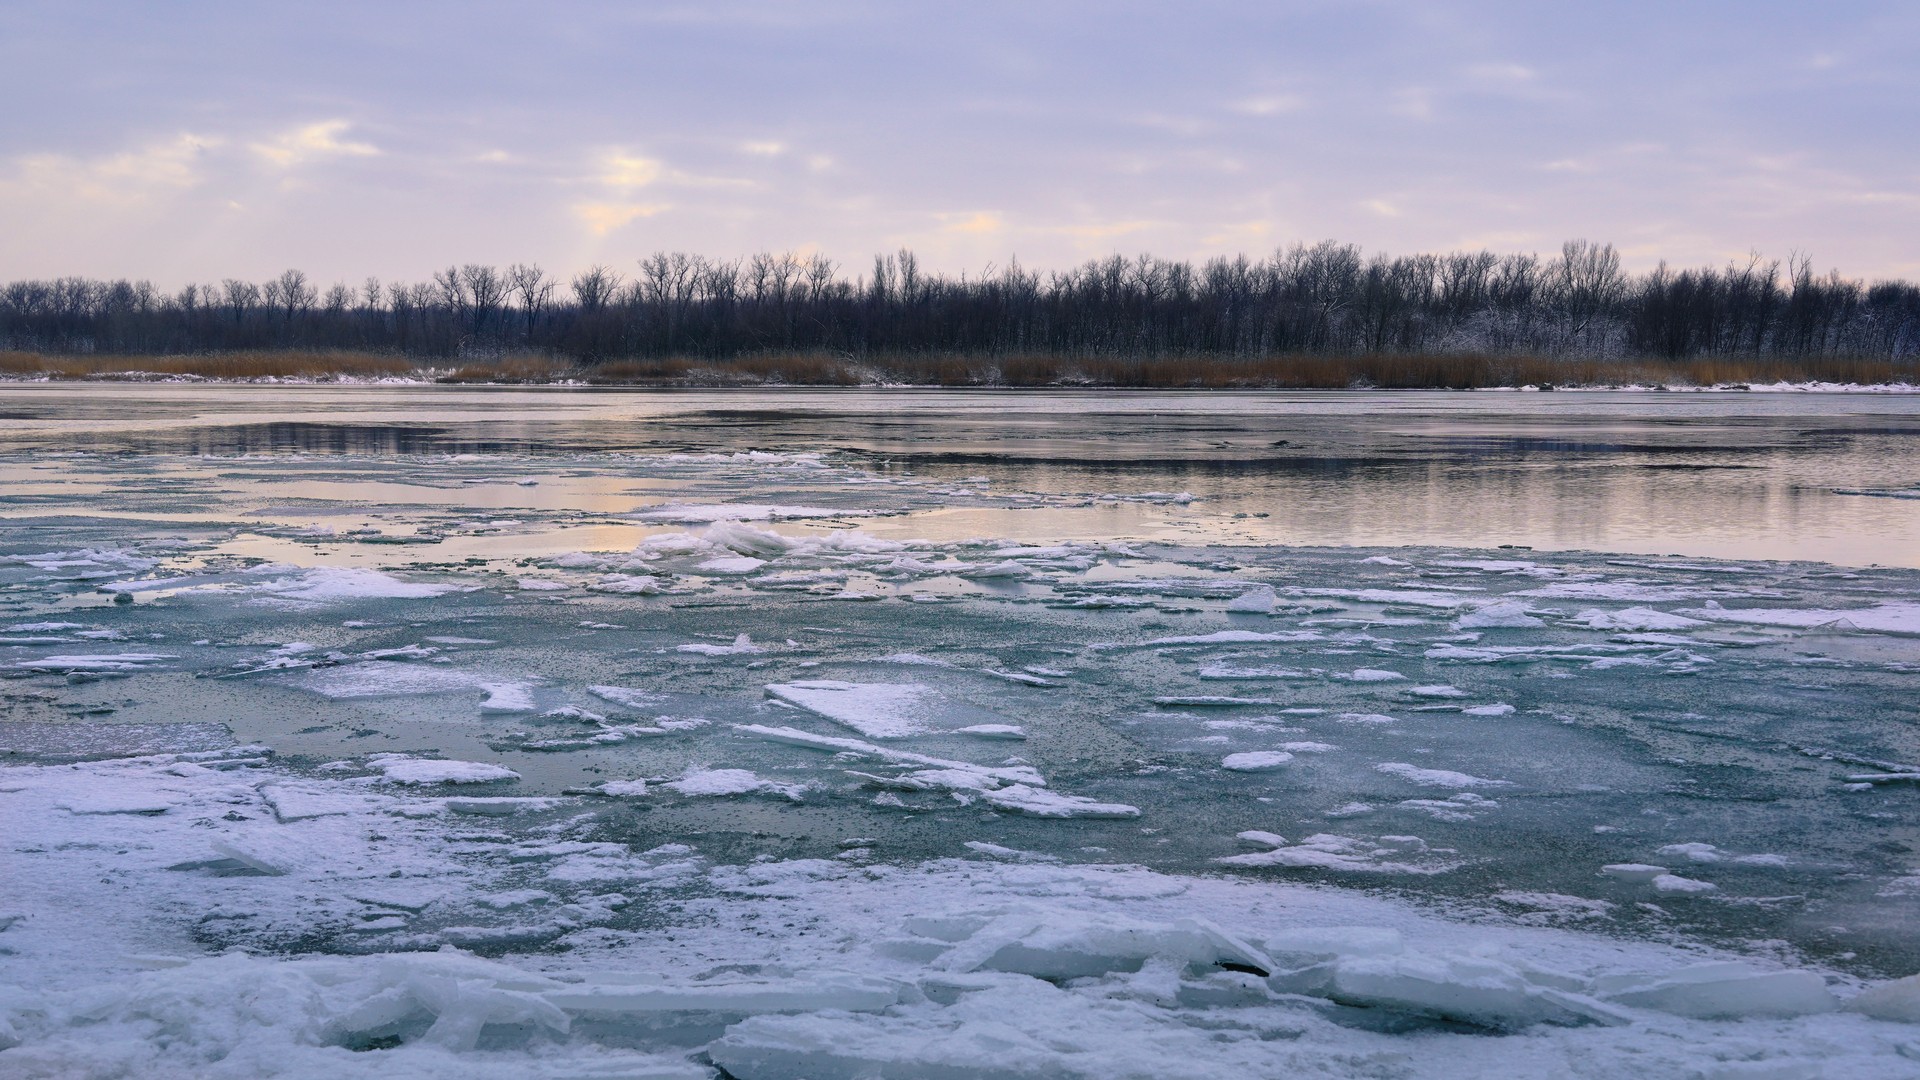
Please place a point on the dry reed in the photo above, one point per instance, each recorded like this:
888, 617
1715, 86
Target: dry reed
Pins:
230, 365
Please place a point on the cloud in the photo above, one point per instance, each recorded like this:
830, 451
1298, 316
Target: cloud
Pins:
763, 149
1382, 207
1508, 73
1413, 101
1241, 232
625, 171
979, 223
1104, 230
124, 178
313, 142
1270, 105
603, 217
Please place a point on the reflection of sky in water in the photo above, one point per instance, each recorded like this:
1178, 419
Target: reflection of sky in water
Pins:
1738, 476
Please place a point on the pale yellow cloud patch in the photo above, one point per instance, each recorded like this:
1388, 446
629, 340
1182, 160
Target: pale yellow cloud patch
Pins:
312, 142
603, 217
627, 171
765, 148
1105, 230
121, 179
980, 223
1243, 232
1382, 207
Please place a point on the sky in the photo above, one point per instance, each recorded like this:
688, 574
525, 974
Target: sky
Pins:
198, 141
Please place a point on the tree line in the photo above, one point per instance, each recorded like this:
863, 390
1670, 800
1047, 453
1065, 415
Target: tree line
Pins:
1321, 299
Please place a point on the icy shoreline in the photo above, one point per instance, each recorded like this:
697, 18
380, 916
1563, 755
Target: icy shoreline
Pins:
439, 377
993, 966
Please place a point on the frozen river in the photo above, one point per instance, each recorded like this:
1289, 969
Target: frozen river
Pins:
940, 734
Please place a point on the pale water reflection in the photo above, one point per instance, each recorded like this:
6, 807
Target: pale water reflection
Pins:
1825, 477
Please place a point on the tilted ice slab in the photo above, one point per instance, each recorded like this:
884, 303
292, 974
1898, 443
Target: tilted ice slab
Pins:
96, 662
1893, 617
744, 512
1018, 788
402, 769
330, 584
876, 710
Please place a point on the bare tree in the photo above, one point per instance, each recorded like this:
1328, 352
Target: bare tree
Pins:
294, 293
241, 297
530, 284
595, 289
486, 292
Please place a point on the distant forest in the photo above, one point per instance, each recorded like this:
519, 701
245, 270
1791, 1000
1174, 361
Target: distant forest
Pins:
1326, 299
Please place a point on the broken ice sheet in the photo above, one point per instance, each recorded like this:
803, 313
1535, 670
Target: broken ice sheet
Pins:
1026, 868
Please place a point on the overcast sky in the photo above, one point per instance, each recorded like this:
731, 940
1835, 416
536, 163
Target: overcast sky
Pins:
196, 141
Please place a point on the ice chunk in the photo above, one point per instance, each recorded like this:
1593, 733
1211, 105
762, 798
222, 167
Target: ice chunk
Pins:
373, 679
1898, 999
1721, 991
1635, 619
293, 801
1375, 675
510, 697
1498, 708
625, 696
1039, 802
1470, 990
876, 710
732, 512
742, 646
1313, 944
1209, 701
1437, 691
402, 769
1892, 617
96, 662
629, 585
1638, 872
1256, 760
1326, 851
993, 731
1017, 774
624, 787
1224, 637
609, 994
1005, 570
723, 782
1674, 883
1462, 806
1503, 614
1058, 945
541, 585
731, 564
330, 584
1436, 777
1376, 719
1256, 601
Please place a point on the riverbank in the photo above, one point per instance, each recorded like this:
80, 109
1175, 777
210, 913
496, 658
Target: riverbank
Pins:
1287, 372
